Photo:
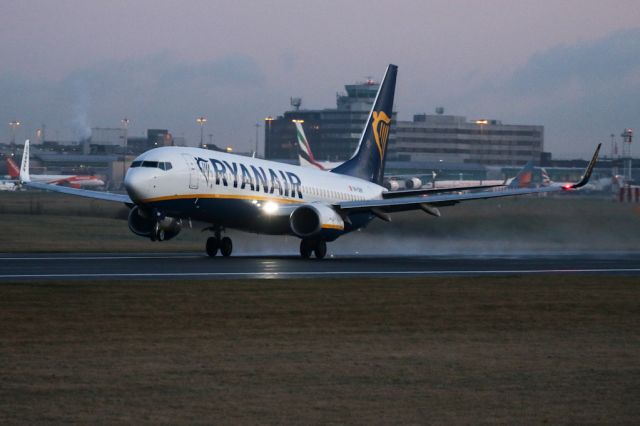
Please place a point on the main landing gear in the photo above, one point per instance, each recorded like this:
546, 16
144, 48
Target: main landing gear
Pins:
225, 245
319, 247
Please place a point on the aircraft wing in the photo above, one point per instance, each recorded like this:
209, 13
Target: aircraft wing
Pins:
428, 191
424, 202
98, 195
429, 203
25, 179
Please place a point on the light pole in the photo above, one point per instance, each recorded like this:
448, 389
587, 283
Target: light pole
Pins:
267, 138
257, 129
201, 121
14, 124
125, 128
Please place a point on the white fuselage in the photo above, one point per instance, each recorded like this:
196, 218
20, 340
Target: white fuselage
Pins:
78, 181
229, 189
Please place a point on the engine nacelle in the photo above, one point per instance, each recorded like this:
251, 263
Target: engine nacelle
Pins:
413, 183
145, 224
391, 184
313, 220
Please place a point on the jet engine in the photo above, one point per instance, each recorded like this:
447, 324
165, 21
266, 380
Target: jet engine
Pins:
391, 184
413, 183
152, 224
312, 220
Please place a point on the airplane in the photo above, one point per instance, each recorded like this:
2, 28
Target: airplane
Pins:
8, 185
167, 186
73, 181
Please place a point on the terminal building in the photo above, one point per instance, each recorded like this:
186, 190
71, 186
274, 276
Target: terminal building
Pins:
451, 138
334, 134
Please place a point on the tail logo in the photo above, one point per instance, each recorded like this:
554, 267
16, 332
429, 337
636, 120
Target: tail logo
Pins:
381, 125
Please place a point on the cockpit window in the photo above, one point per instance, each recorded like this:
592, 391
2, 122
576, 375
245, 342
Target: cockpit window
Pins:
162, 165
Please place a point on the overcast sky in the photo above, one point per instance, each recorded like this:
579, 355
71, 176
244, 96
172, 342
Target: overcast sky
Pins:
572, 66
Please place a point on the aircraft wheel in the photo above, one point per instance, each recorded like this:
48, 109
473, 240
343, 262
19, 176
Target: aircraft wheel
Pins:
320, 249
160, 235
155, 232
212, 246
226, 246
305, 249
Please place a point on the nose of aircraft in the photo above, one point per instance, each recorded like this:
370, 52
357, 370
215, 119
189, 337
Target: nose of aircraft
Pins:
137, 184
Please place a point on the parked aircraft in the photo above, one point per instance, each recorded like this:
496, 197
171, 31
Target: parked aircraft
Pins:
170, 185
73, 181
8, 185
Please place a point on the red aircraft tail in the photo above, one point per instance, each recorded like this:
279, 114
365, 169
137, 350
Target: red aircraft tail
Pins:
12, 168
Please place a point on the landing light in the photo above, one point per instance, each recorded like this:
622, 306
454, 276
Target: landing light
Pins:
270, 207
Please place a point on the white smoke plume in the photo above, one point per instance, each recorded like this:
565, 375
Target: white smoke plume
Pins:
80, 109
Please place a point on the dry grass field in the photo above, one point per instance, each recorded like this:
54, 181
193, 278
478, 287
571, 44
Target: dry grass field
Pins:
508, 350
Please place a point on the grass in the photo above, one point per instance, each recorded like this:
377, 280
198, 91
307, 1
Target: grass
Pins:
454, 350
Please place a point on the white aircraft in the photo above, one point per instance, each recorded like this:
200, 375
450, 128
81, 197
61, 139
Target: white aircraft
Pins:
166, 186
8, 185
74, 181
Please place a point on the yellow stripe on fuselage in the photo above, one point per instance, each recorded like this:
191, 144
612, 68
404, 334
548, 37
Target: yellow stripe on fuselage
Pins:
222, 197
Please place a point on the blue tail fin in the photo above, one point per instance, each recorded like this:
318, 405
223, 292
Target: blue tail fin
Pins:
368, 161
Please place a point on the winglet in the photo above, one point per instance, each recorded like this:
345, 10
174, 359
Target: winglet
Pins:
24, 166
587, 173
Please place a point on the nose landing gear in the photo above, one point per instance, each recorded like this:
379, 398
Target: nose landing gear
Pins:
225, 245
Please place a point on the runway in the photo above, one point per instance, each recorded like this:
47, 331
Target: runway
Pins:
110, 266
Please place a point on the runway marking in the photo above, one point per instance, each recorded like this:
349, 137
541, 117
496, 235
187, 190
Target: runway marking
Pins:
179, 256
324, 273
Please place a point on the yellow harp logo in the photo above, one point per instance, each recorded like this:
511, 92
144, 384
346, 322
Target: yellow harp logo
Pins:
381, 125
